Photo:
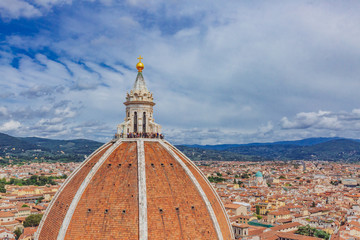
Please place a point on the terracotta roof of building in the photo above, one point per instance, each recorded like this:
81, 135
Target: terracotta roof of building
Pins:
24, 209
20, 219
295, 236
268, 235
254, 231
28, 232
243, 225
286, 226
284, 220
9, 223
10, 235
6, 214
232, 206
279, 213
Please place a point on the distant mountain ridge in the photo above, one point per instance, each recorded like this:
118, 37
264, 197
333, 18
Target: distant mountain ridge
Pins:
331, 149
7, 141
302, 142
29, 148
77, 146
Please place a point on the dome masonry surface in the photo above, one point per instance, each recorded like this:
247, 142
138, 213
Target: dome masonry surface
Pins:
137, 186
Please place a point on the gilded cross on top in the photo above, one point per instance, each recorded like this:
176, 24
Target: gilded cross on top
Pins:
140, 58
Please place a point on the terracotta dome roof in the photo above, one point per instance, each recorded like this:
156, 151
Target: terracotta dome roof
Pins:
136, 189
137, 186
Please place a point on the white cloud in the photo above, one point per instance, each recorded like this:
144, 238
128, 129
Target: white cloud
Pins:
65, 112
49, 3
266, 129
3, 111
10, 126
304, 120
225, 72
17, 8
356, 112
340, 121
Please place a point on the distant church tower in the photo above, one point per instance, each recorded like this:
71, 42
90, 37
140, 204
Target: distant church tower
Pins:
259, 179
139, 109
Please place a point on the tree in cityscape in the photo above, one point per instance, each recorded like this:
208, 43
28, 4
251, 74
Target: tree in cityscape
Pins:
39, 200
33, 180
17, 233
245, 175
335, 183
216, 179
312, 232
257, 209
2, 188
33, 220
306, 230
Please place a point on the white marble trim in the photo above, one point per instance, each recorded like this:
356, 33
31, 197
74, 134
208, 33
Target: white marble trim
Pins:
71, 210
64, 185
200, 190
209, 184
143, 224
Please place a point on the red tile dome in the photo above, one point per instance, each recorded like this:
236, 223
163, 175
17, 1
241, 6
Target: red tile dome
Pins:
136, 188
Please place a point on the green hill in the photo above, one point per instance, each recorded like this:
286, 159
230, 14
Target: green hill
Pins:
42, 149
331, 150
341, 149
9, 142
76, 146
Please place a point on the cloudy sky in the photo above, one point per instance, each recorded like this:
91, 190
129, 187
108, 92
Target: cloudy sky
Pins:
221, 71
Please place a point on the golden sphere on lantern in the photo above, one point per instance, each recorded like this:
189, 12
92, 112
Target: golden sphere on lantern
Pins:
140, 65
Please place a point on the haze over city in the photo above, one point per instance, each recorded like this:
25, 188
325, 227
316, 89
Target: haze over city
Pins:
221, 72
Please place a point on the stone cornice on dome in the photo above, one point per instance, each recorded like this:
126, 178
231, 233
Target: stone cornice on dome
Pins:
127, 103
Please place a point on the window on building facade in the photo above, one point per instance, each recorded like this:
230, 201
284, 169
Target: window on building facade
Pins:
144, 122
135, 121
